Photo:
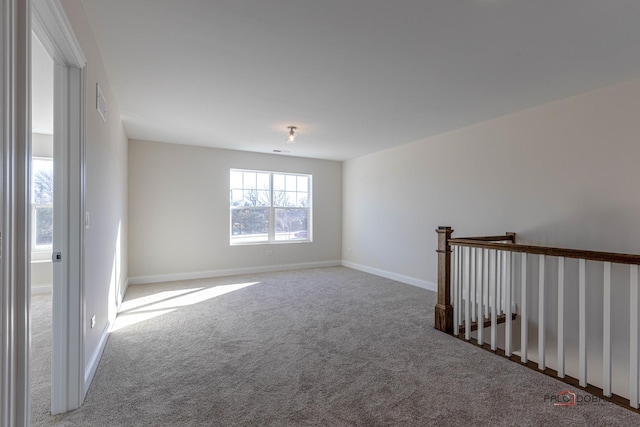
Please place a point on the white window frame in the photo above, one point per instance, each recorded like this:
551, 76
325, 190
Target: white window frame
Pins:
271, 235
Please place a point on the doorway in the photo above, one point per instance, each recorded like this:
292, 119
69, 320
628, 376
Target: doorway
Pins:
53, 30
48, 20
42, 198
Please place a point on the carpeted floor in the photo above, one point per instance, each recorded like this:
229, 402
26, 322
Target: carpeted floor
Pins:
40, 356
328, 347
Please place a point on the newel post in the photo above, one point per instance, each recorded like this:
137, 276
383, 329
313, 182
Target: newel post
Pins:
444, 309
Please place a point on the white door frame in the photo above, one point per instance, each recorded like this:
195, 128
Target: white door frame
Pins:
54, 31
15, 258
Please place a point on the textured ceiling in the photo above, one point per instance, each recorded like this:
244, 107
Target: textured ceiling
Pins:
355, 76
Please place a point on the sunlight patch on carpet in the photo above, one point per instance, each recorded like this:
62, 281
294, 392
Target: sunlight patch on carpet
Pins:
151, 306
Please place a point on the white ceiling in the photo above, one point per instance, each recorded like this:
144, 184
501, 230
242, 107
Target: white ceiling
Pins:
355, 76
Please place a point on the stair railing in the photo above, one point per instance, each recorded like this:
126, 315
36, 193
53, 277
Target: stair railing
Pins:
478, 278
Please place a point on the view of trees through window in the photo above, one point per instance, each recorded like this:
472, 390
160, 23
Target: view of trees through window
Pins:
269, 206
42, 203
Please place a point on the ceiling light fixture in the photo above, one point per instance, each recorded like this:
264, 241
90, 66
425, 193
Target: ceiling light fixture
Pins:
292, 135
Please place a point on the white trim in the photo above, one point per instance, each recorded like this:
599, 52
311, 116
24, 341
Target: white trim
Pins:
140, 280
424, 284
68, 360
54, 31
15, 266
92, 366
41, 289
40, 257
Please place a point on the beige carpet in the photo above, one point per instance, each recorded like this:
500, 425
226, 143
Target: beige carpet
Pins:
326, 347
40, 356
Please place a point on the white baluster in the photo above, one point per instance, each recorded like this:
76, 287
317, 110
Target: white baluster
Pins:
487, 287
541, 314
504, 282
473, 284
460, 287
633, 338
493, 282
523, 312
561, 317
480, 297
467, 294
455, 285
606, 332
507, 304
582, 322
498, 306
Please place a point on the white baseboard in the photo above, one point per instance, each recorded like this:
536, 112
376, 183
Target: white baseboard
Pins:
41, 289
140, 280
393, 276
90, 369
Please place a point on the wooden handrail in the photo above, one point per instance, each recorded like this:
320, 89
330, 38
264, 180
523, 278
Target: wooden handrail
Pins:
613, 257
506, 236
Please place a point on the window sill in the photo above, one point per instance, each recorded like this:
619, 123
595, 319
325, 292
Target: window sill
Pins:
41, 256
287, 242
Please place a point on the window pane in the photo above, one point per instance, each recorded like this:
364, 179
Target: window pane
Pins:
303, 183
42, 180
256, 198
278, 182
279, 198
249, 180
291, 199
291, 224
263, 181
236, 197
235, 180
303, 200
249, 225
291, 183
263, 198
44, 226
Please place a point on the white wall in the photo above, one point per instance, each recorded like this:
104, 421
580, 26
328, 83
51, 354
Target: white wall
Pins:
179, 213
106, 194
41, 145
562, 174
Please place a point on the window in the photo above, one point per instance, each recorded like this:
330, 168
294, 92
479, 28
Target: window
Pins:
269, 207
42, 204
